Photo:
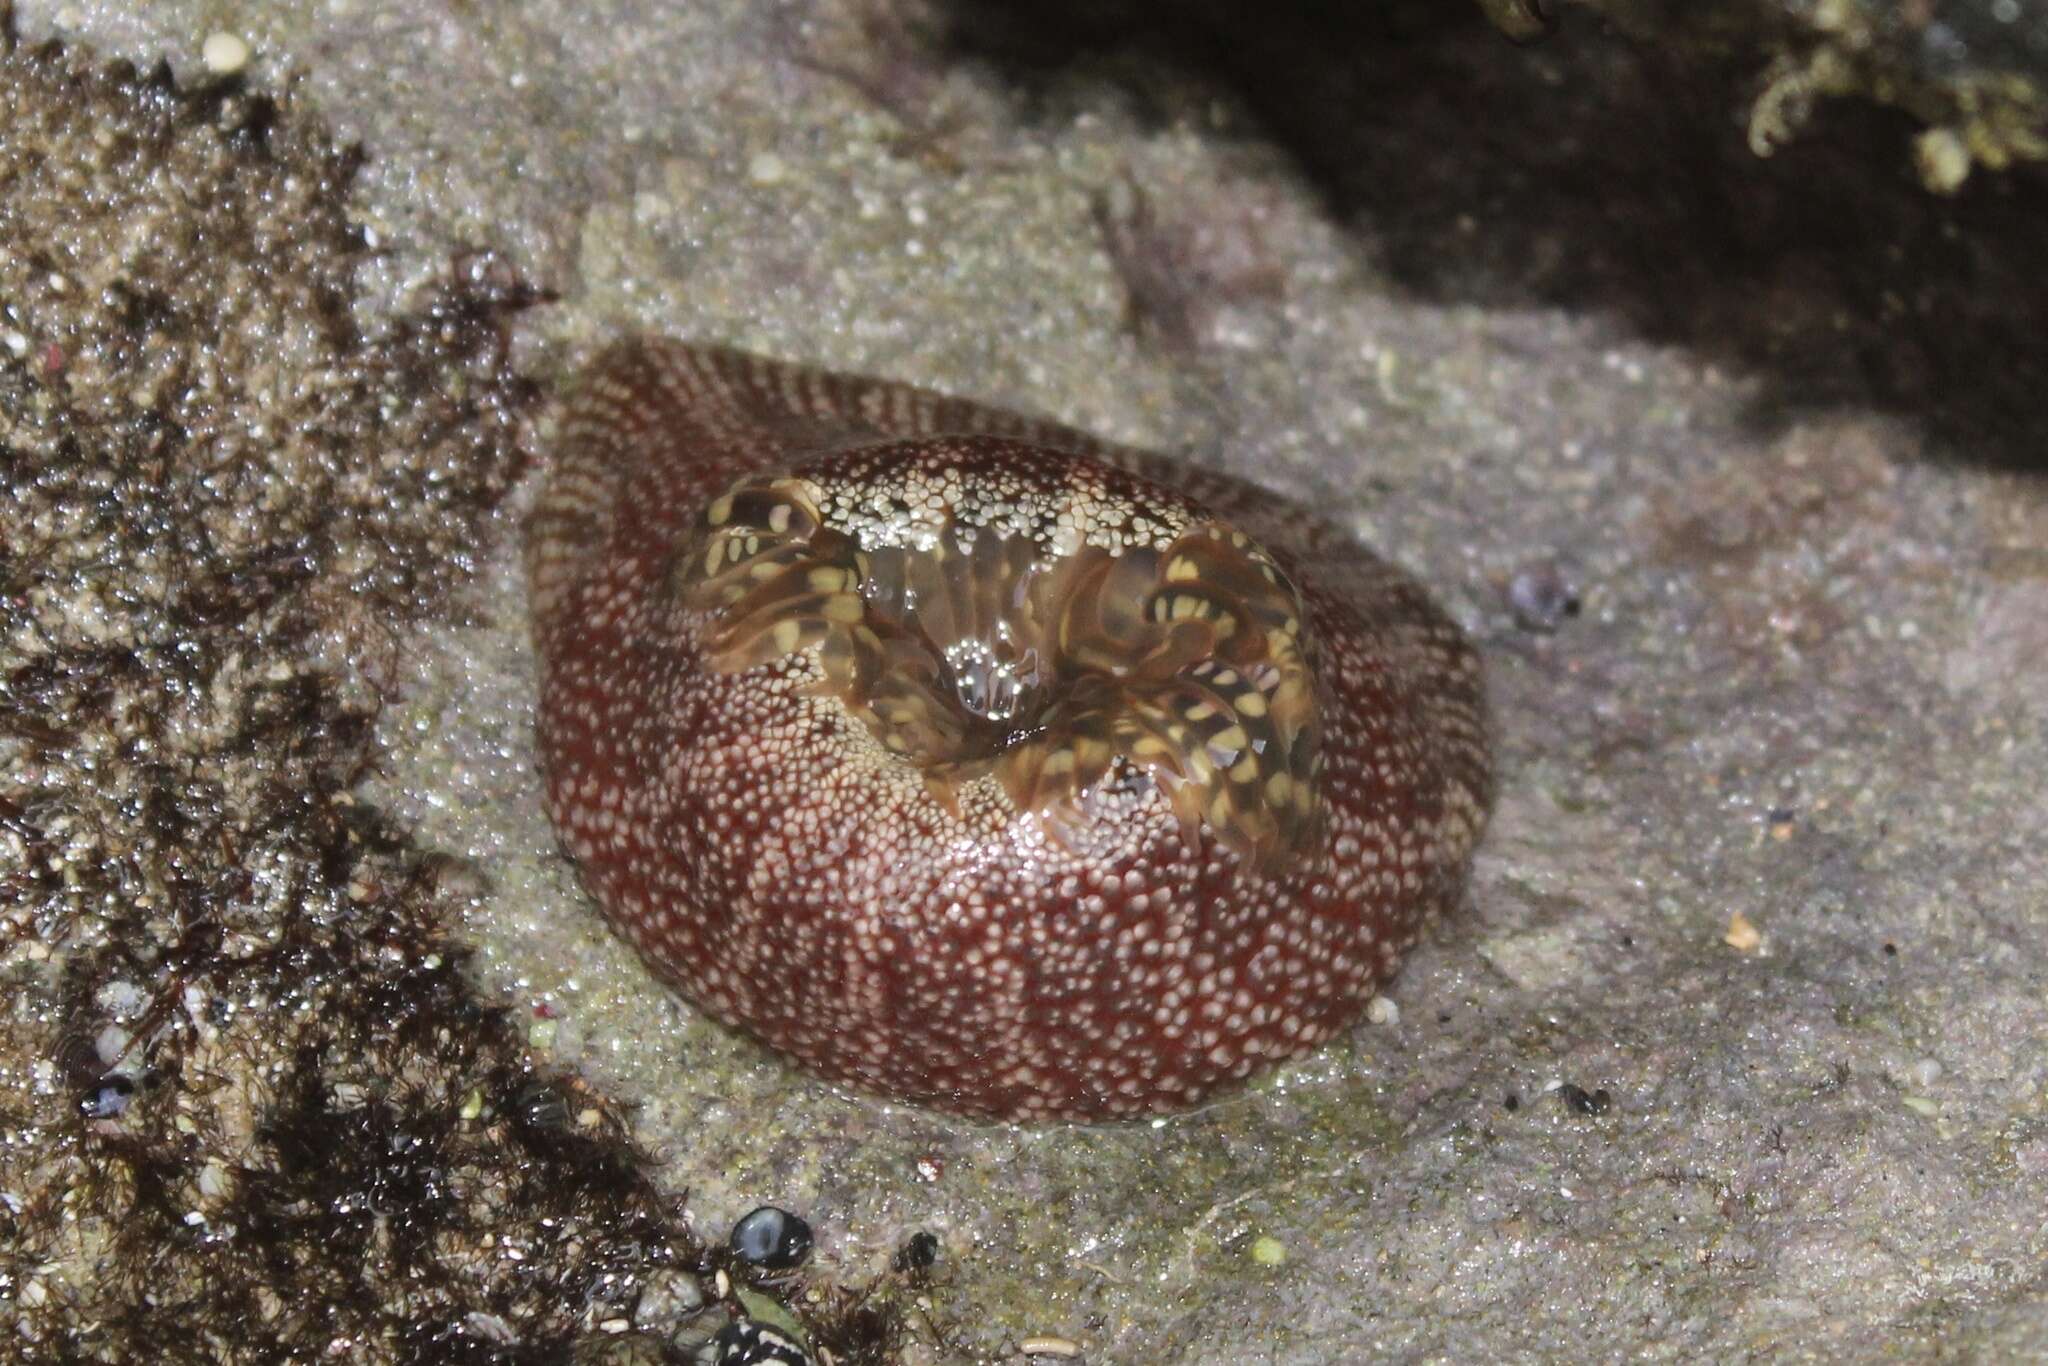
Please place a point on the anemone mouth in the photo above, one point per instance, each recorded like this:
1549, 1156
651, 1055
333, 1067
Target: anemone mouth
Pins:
986, 607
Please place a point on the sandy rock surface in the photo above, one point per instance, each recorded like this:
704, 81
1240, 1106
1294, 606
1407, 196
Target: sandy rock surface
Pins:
1733, 466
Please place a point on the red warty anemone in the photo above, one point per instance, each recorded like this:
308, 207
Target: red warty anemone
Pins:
975, 762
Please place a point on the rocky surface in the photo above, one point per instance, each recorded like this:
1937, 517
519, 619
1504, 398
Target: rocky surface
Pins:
1733, 464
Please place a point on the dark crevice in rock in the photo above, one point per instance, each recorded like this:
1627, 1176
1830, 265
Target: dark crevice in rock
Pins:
1611, 175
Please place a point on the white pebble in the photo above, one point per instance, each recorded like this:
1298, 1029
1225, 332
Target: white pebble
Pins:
224, 53
121, 999
111, 1043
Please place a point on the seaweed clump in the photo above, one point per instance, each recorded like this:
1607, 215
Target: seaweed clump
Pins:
249, 1105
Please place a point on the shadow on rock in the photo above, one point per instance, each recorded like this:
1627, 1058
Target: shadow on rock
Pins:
1597, 173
